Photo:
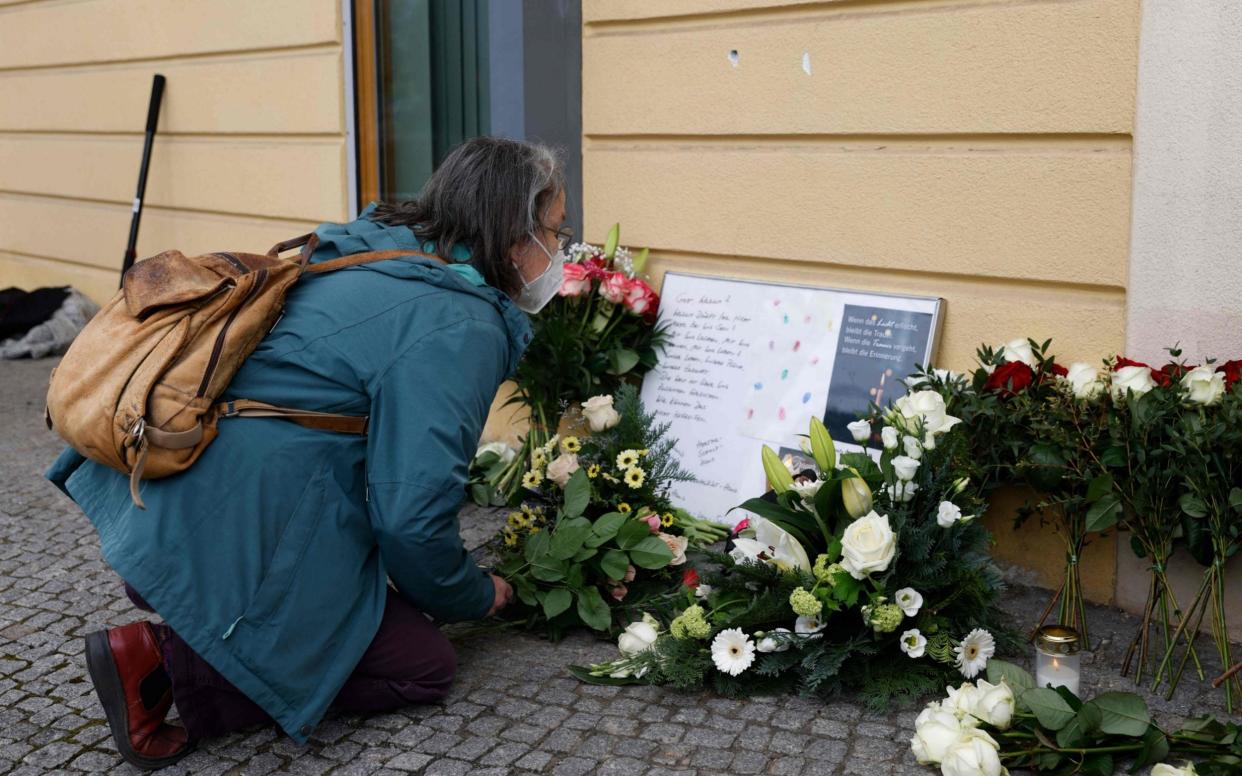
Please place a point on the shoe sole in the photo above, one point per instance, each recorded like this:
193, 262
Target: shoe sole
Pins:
107, 680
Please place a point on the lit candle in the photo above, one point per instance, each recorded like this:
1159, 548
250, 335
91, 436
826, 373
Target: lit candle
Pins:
1057, 661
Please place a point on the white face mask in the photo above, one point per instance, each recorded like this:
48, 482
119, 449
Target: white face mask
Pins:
538, 292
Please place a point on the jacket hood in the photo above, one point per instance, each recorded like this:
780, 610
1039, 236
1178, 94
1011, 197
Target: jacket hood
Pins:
363, 234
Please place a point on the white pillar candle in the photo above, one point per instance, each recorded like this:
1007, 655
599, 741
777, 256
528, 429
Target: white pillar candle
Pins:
1057, 670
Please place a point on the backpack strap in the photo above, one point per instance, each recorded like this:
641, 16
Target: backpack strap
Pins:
324, 421
364, 258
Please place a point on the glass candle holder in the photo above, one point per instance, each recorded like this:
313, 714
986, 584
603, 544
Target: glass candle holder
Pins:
1057, 662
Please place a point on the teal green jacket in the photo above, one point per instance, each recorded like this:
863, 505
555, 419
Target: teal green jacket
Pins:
271, 554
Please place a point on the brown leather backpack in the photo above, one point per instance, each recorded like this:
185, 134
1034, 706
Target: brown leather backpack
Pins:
137, 389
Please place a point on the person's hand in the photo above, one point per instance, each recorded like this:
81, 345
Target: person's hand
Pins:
504, 594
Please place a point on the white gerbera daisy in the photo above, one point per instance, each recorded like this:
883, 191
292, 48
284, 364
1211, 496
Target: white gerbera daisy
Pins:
732, 651
913, 643
974, 651
910, 601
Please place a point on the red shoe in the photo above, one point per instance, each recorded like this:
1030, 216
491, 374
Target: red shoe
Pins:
128, 672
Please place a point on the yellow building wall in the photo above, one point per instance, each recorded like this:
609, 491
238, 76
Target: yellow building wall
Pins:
251, 145
978, 150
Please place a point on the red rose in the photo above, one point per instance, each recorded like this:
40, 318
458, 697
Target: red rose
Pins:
1169, 374
1232, 371
1058, 370
596, 266
690, 579
1010, 379
1125, 362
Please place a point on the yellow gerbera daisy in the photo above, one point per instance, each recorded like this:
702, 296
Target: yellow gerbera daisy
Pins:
593, 470
627, 459
571, 444
532, 479
667, 520
534, 529
516, 519
510, 538
624, 508
635, 477
538, 458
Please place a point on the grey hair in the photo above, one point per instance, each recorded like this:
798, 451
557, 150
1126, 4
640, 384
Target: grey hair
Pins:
488, 195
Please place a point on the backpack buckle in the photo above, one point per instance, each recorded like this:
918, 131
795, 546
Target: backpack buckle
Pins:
139, 428
230, 409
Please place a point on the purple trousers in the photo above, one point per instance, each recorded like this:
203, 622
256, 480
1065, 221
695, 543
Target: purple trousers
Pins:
409, 662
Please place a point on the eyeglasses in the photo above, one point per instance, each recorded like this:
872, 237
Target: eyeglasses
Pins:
564, 236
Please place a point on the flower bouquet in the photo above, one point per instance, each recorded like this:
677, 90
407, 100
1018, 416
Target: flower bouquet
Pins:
598, 333
983, 728
1157, 451
593, 532
901, 593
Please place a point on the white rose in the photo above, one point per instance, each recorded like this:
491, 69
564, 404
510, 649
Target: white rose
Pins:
807, 490
994, 704
868, 545
1084, 380
935, 732
676, 545
1136, 379
905, 467
910, 600
961, 700
599, 413
1203, 385
703, 591
637, 637
1017, 350
770, 644
914, 448
889, 435
927, 408
560, 469
860, 430
948, 514
901, 492
975, 755
1164, 769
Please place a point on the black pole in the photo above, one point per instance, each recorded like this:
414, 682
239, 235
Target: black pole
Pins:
153, 117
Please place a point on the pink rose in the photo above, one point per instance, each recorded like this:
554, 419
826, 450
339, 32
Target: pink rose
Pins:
630, 574
619, 592
653, 521
614, 287
639, 297
676, 545
577, 280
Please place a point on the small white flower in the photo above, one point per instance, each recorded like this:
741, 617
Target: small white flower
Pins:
974, 652
914, 448
901, 492
913, 643
948, 514
890, 436
905, 467
860, 430
924, 409
807, 490
703, 591
732, 651
1204, 385
773, 641
809, 627
1164, 769
910, 601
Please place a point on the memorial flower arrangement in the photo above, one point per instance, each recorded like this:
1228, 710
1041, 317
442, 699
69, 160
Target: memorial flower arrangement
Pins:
598, 333
1156, 451
863, 577
984, 728
593, 532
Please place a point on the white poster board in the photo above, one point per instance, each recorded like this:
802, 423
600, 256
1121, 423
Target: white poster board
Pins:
748, 363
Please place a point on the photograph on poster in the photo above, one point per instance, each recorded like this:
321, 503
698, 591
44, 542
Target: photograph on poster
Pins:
749, 363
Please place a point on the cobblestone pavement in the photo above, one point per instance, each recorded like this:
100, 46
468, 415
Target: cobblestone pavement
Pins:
514, 708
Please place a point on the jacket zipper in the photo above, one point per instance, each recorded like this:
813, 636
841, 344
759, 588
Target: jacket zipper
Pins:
224, 330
